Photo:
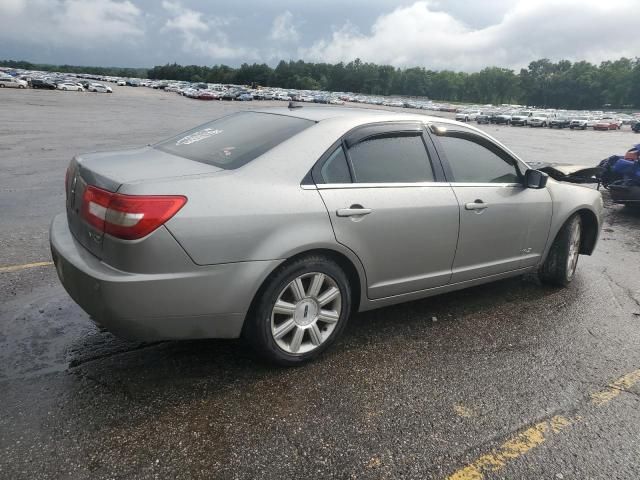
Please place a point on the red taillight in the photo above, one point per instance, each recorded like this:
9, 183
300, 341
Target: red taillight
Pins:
128, 217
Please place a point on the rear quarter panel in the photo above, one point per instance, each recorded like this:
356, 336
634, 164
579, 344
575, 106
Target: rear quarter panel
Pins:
237, 218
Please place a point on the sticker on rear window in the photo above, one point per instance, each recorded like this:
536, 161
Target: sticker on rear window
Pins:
199, 135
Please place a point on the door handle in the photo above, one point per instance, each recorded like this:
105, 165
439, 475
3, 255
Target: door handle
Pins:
353, 211
477, 205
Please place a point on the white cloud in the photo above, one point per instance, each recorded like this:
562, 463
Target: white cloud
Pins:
184, 19
49, 23
453, 34
421, 35
102, 19
283, 29
201, 35
12, 7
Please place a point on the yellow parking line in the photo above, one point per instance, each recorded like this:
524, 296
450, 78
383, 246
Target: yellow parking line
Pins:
512, 448
533, 436
613, 390
15, 268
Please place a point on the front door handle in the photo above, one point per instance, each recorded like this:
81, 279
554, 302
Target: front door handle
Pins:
477, 205
353, 211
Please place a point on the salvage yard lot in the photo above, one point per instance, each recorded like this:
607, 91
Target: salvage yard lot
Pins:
507, 380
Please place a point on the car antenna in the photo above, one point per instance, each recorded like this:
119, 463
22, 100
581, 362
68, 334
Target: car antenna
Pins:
293, 105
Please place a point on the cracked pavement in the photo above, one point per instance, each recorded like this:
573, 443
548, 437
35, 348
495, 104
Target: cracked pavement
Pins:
419, 390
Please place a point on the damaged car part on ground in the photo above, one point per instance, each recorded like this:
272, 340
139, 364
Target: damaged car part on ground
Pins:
620, 174
209, 234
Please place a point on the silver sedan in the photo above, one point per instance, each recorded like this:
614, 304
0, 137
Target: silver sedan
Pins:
278, 224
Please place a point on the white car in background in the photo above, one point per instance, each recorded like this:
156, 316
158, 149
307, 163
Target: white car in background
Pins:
467, 115
538, 119
99, 88
580, 123
11, 82
122, 83
70, 86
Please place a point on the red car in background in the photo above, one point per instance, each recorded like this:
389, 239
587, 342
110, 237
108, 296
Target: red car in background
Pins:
207, 95
607, 124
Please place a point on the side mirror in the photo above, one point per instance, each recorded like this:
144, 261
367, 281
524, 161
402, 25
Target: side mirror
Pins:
535, 179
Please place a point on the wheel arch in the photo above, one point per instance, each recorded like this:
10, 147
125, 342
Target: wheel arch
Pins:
354, 273
590, 229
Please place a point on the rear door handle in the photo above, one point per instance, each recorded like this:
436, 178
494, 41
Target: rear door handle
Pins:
353, 211
477, 205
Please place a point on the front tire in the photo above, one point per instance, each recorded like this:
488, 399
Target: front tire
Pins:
300, 311
560, 266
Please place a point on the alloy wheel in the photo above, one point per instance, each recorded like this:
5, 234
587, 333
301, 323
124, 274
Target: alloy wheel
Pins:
574, 249
306, 313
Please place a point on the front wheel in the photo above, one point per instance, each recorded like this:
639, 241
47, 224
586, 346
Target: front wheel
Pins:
560, 266
302, 309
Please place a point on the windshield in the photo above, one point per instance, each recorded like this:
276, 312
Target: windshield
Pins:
235, 140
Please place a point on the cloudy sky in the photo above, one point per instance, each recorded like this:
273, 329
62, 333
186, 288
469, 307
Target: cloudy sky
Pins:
453, 34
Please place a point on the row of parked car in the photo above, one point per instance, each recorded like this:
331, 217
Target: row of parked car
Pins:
515, 115
207, 91
46, 82
550, 118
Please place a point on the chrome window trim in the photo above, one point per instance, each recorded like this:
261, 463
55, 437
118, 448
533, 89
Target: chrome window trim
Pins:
485, 184
333, 186
328, 186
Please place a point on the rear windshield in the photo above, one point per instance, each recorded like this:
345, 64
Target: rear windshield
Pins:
233, 141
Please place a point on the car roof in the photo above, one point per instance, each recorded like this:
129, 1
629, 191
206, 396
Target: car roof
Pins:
357, 114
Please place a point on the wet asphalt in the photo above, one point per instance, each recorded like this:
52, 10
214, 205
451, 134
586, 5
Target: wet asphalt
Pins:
419, 390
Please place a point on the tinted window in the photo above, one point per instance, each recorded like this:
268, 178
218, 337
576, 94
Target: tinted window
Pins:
391, 159
233, 141
335, 169
475, 163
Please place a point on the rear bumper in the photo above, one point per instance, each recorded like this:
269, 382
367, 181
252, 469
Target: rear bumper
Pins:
206, 302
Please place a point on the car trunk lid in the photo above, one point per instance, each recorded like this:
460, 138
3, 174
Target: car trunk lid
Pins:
109, 171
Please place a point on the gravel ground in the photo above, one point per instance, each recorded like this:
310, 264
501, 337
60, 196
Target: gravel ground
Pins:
507, 380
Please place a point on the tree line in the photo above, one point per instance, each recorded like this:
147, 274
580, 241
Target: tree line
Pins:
543, 83
108, 71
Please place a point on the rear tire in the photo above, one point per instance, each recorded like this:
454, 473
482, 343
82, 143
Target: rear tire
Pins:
560, 266
310, 323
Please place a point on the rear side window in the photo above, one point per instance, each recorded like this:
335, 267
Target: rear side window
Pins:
335, 169
391, 159
472, 162
233, 141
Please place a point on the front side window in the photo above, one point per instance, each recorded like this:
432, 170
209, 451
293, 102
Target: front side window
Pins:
391, 159
235, 140
472, 162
